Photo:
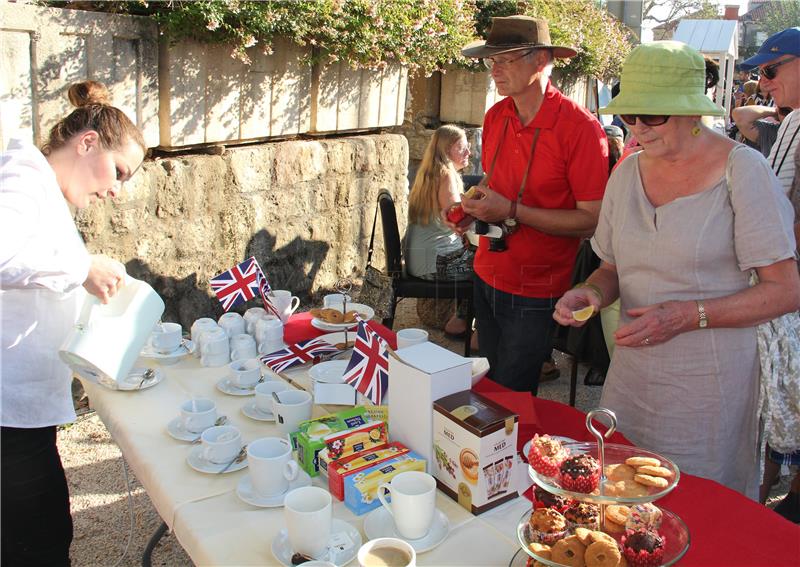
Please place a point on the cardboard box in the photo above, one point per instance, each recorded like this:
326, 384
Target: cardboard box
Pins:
475, 443
426, 373
337, 471
309, 439
361, 489
350, 441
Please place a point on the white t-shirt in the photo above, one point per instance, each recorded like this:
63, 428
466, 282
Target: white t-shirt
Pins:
781, 157
43, 262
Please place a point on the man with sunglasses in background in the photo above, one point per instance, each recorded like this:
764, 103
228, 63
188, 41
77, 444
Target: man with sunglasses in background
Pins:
545, 160
778, 62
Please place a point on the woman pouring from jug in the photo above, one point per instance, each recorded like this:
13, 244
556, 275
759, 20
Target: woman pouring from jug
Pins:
43, 260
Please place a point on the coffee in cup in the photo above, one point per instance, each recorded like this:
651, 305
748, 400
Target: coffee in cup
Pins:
387, 552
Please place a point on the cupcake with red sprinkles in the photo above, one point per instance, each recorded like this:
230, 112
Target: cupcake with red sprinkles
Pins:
546, 455
643, 548
580, 473
583, 515
544, 499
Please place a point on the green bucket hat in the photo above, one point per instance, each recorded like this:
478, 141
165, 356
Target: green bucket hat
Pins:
663, 77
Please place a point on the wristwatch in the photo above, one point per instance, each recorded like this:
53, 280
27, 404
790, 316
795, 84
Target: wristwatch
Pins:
511, 222
701, 311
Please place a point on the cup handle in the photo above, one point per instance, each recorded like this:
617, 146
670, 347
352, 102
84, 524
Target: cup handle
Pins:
235, 354
294, 304
382, 497
291, 470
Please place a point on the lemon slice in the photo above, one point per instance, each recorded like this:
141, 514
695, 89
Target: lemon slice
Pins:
583, 314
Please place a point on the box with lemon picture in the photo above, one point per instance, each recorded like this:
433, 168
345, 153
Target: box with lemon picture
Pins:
309, 439
475, 443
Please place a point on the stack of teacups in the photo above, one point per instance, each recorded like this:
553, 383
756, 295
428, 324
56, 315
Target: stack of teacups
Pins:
251, 316
271, 466
199, 327
221, 444
198, 414
232, 322
245, 373
214, 347
269, 334
243, 346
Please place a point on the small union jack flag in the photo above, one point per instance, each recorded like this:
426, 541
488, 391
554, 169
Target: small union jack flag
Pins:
238, 284
300, 353
368, 370
265, 289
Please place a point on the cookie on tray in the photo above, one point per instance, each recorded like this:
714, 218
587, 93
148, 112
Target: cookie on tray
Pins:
569, 551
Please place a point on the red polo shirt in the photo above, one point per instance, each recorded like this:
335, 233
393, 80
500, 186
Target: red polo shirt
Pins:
570, 164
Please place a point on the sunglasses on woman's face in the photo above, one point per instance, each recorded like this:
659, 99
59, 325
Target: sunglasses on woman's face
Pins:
771, 71
646, 119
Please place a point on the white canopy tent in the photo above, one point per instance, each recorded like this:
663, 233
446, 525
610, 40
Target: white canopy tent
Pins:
719, 40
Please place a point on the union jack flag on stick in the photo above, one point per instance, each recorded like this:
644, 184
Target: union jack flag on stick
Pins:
265, 289
368, 370
300, 353
238, 284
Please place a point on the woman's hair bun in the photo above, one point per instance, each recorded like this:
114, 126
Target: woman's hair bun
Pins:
88, 92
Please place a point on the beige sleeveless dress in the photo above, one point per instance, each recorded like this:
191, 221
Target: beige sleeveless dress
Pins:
693, 399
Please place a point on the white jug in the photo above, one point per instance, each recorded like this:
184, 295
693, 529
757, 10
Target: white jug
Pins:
107, 339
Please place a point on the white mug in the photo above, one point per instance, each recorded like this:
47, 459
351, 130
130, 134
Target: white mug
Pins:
413, 502
243, 346
271, 466
250, 317
335, 299
166, 337
245, 372
284, 302
198, 414
408, 337
269, 329
213, 335
294, 406
264, 391
386, 551
199, 327
308, 513
221, 444
232, 322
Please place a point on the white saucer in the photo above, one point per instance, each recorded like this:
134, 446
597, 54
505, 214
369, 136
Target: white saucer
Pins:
254, 412
186, 347
330, 372
379, 523
177, 431
244, 490
198, 463
130, 383
227, 387
527, 446
343, 545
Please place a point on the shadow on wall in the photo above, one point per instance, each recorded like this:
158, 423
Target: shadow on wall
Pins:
293, 267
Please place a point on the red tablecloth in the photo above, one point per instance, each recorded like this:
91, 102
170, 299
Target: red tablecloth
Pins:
726, 529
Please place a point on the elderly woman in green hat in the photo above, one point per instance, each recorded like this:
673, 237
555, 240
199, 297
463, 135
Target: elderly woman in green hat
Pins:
681, 225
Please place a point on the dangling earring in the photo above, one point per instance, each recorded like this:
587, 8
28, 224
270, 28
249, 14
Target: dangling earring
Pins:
696, 130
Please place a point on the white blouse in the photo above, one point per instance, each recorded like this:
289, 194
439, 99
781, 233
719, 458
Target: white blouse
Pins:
43, 262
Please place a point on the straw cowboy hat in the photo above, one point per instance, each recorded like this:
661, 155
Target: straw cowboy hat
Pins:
515, 33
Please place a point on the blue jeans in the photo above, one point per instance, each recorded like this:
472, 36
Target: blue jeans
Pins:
515, 333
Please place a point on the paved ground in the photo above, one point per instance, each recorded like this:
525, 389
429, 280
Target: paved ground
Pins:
100, 504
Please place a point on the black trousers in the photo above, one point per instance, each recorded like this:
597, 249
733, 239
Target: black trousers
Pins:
36, 526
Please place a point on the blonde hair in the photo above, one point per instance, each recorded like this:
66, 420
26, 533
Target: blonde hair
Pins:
424, 198
94, 112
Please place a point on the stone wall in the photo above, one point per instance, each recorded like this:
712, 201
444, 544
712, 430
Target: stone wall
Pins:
304, 209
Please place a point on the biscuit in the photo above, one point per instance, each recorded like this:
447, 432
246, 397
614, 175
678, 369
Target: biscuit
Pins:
642, 461
332, 316
620, 471
315, 312
612, 528
350, 316
648, 480
540, 549
600, 536
663, 472
584, 536
569, 551
602, 554
626, 489
617, 514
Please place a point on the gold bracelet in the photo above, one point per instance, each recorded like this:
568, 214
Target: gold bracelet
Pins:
594, 288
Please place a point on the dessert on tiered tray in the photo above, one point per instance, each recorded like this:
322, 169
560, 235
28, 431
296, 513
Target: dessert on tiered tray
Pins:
593, 504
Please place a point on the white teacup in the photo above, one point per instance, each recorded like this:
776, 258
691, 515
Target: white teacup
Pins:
214, 347
269, 329
385, 551
198, 414
271, 466
408, 337
243, 346
245, 372
250, 317
413, 502
264, 391
221, 444
284, 302
213, 335
308, 513
295, 406
166, 337
199, 327
336, 299
232, 322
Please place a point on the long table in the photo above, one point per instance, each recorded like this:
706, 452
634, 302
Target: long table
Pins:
216, 528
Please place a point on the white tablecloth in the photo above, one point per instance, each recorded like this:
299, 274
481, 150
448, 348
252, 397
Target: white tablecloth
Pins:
211, 523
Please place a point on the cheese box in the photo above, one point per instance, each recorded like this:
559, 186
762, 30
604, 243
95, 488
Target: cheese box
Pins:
345, 443
309, 439
337, 471
361, 489
474, 443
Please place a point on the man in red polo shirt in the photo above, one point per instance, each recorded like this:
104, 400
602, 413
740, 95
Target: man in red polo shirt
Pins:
546, 160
